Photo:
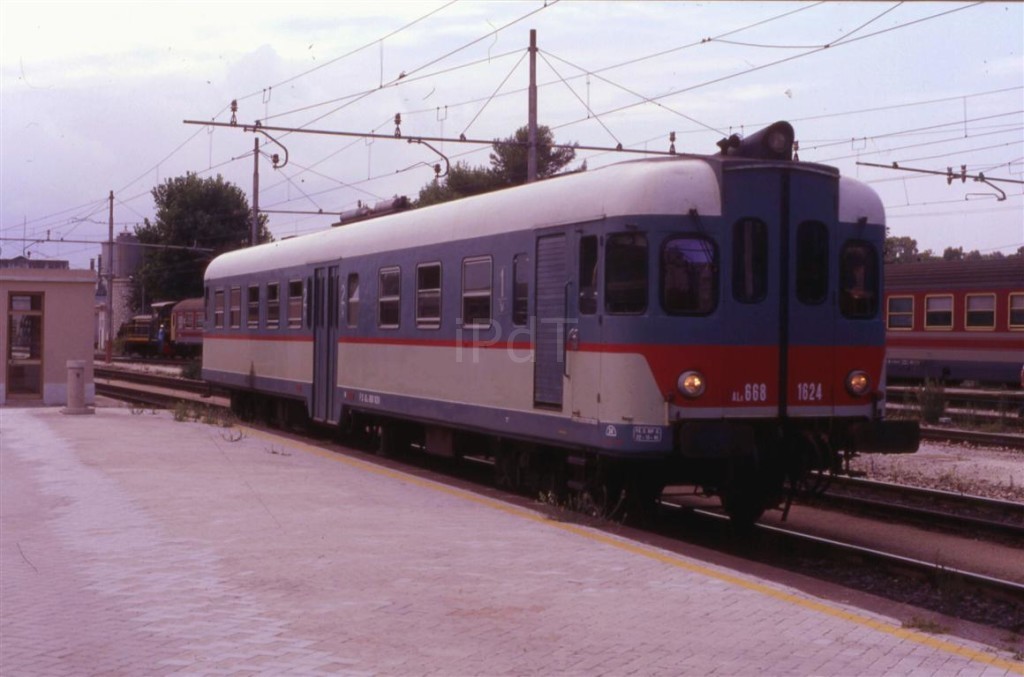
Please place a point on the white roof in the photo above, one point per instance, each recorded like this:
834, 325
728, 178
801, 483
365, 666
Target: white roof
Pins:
668, 186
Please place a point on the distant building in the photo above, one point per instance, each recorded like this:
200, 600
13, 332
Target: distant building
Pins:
37, 264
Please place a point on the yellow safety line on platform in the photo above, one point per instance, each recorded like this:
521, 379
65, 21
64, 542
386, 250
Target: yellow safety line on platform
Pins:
658, 555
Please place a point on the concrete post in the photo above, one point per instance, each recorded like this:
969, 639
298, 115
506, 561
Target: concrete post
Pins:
76, 389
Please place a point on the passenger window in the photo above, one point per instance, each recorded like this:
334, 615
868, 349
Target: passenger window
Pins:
352, 300
901, 312
252, 319
295, 304
858, 280
938, 312
389, 298
476, 292
588, 275
218, 309
428, 296
235, 308
749, 261
812, 263
625, 274
273, 305
1016, 311
981, 311
689, 276
520, 290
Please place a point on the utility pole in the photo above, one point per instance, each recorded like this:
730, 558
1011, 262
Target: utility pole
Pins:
110, 281
531, 151
254, 235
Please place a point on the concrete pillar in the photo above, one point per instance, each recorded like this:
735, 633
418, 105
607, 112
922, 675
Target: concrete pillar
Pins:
76, 388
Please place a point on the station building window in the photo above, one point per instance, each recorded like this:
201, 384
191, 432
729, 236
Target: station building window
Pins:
689, 277
980, 311
389, 298
24, 359
428, 295
476, 292
938, 312
900, 313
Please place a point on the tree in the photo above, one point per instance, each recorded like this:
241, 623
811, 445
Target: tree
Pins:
900, 249
208, 213
508, 168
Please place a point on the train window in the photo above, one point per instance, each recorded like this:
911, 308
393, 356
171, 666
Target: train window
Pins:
938, 312
295, 304
520, 290
352, 300
812, 263
218, 309
980, 311
901, 312
625, 274
689, 276
749, 260
1016, 311
252, 320
428, 295
389, 298
476, 292
273, 305
235, 308
858, 275
588, 275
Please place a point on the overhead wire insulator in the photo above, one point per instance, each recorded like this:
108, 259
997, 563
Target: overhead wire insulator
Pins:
398, 124
234, 111
672, 142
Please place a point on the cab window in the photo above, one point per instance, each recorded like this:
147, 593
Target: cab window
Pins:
689, 276
858, 280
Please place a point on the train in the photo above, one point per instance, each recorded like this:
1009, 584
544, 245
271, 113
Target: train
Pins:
170, 329
710, 320
956, 322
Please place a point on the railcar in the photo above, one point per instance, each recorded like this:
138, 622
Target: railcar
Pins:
956, 321
186, 328
181, 324
707, 320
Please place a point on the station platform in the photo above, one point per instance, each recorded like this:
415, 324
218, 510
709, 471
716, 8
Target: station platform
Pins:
133, 544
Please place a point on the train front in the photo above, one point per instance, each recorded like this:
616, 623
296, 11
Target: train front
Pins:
787, 374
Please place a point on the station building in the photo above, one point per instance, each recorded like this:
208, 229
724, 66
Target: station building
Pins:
47, 320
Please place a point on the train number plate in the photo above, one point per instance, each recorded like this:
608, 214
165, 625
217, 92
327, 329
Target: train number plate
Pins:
646, 433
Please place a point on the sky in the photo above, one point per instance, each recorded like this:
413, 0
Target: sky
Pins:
94, 98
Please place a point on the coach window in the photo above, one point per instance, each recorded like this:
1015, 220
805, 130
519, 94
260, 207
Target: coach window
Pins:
252, 320
352, 300
689, 276
218, 309
900, 313
235, 308
938, 312
980, 311
1016, 311
625, 274
749, 260
295, 304
273, 305
520, 290
858, 280
476, 292
812, 264
588, 275
428, 295
389, 298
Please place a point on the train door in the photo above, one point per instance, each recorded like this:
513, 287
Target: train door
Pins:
552, 309
782, 242
325, 341
583, 365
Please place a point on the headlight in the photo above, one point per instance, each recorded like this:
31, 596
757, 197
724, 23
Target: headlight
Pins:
858, 383
691, 383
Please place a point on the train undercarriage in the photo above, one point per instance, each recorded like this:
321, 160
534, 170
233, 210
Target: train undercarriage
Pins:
750, 466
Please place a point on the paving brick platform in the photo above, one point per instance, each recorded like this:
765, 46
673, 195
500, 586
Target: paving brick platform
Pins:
131, 544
